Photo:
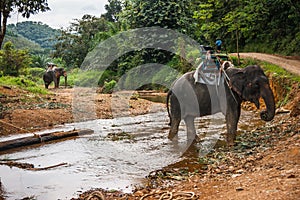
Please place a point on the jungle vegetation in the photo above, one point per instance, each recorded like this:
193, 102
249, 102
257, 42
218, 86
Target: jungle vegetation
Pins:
258, 26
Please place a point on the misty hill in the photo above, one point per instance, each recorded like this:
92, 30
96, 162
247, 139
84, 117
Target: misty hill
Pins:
40, 33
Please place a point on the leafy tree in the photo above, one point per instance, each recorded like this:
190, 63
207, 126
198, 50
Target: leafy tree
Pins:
13, 61
259, 25
172, 14
80, 38
21, 42
25, 7
280, 29
209, 15
40, 61
113, 8
38, 32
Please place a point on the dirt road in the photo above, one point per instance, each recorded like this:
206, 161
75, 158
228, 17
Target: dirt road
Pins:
291, 64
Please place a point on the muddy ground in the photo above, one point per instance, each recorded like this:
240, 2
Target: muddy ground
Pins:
264, 164
24, 112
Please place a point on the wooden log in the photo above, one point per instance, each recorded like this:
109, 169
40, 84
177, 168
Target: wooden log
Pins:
15, 143
60, 135
37, 139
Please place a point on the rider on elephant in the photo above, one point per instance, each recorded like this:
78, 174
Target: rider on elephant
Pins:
54, 73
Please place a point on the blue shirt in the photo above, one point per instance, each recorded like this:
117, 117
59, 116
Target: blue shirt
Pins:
218, 42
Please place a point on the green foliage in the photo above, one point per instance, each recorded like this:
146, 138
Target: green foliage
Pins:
24, 7
109, 86
60, 62
279, 71
257, 25
40, 61
38, 32
82, 78
107, 76
166, 75
171, 14
21, 42
113, 8
23, 83
80, 38
12, 61
36, 72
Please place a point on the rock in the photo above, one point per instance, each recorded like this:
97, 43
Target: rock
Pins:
231, 168
281, 111
235, 175
239, 189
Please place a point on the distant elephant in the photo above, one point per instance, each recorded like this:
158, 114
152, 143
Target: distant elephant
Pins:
189, 99
54, 75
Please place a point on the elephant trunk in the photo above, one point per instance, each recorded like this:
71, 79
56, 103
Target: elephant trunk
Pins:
267, 95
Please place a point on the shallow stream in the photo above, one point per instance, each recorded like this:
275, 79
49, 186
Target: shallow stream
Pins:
119, 154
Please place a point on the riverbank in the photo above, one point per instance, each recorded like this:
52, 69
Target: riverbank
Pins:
24, 112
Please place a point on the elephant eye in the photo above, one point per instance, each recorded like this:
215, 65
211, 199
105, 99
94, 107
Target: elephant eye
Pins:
253, 85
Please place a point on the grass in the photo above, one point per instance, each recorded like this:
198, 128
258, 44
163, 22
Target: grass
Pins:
275, 70
24, 83
279, 71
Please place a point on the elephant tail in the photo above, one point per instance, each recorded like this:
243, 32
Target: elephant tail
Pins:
168, 109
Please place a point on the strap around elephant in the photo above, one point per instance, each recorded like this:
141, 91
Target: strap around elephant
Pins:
227, 79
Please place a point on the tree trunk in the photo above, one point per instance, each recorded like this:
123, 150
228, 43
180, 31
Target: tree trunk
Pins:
3, 16
237, 46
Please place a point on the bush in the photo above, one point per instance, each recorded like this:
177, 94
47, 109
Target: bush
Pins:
82, 78
12, 61
107, 76
109, 86
36, 72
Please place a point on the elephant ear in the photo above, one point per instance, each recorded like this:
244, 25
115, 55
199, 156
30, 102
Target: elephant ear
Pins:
237, 80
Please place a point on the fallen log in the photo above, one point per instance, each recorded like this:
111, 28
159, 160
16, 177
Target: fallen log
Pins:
40, 138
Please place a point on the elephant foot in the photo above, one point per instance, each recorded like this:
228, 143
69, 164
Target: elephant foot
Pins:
171, 135
195, 139
230, 140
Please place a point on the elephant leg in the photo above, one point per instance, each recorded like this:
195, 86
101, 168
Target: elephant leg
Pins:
58, 80
190, 128
174, 127
175, 117
232, 118
55, 83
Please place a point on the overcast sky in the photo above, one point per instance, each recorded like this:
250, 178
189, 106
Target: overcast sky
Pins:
64, 11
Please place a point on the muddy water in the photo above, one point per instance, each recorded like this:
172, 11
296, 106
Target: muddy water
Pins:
118, 155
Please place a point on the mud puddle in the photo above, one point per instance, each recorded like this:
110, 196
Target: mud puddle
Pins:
118, 156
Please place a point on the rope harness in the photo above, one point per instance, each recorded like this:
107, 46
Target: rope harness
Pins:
227, 79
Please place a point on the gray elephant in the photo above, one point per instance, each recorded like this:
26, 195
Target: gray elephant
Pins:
190, 99
54, 74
